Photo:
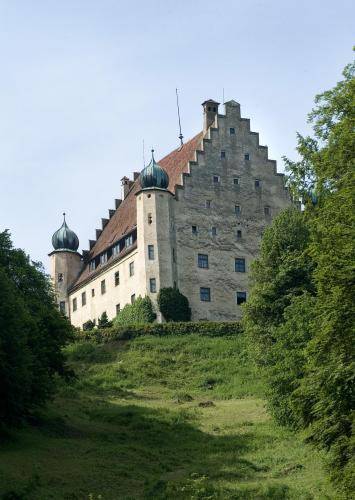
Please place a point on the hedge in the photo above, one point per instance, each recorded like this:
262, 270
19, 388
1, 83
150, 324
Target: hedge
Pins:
127, 332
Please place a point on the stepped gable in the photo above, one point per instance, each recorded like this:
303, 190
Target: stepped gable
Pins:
124, 219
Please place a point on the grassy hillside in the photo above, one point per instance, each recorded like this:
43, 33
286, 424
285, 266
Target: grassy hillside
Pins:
180, 417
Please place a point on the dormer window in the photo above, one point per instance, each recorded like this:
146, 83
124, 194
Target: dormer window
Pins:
116, 249
103, 258
92, 265
129, 241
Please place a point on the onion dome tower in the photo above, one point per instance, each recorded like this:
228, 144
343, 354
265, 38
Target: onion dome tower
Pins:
154, 176
65, 239
66, 264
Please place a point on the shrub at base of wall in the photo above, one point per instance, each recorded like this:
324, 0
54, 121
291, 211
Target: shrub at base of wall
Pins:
127, 332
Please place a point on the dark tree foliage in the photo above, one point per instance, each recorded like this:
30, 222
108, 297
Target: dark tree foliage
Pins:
32, 334
141, 311
301, 311
103, 321
173, 305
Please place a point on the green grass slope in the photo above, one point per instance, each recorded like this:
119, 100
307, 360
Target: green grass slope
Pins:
160, 417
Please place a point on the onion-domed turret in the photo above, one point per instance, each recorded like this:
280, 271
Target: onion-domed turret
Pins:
65, 238
154, 176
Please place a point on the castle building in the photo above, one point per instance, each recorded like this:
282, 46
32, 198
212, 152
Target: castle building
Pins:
192, 220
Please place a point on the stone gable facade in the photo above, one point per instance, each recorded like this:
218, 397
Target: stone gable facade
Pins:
201, 234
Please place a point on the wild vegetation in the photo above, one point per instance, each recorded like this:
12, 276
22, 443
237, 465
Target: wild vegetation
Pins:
300, 313
160, 417
32, 334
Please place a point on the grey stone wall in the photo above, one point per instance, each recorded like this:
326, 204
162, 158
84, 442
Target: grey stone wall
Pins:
190, 209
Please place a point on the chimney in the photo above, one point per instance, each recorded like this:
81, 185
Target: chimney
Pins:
210, 110
125, 183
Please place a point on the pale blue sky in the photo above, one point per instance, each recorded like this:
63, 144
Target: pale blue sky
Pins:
83, 82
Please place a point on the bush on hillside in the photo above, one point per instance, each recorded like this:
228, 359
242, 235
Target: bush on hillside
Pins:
173, 305
127, 332
103, 321
141, 311
32, 335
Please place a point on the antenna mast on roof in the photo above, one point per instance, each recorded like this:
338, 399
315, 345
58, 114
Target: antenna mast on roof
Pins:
178, 111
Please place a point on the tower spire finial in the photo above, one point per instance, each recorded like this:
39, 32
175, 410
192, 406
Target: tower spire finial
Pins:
64, 216
178, 111
152, 151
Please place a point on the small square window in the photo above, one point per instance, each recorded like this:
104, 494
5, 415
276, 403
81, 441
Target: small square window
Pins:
194, 229
75, 304
237, 209
133, 298
153, 285
83, 299
62, 307
257, 183
131, 268
117, 278
241, 298
239, 234
236, 181
60, 277
151, 252
202, 261
208, 203
103, 287
118, 308
223, 155
239, 265
205, 294
267, 211
232, 131
247, 156
216, 179
213, 231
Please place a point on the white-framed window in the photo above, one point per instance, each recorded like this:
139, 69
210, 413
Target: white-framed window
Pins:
241, 297
153, 285
151, 252
131, 268
202, 261
205, 294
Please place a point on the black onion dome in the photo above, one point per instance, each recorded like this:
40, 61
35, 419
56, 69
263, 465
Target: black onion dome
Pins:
154, 176
65, 238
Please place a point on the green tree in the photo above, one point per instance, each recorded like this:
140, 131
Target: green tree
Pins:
173, 305
141, 311
32, 334
326, 395
282, 272
103, 321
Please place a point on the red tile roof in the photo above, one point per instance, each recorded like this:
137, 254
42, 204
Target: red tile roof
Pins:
124, 219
